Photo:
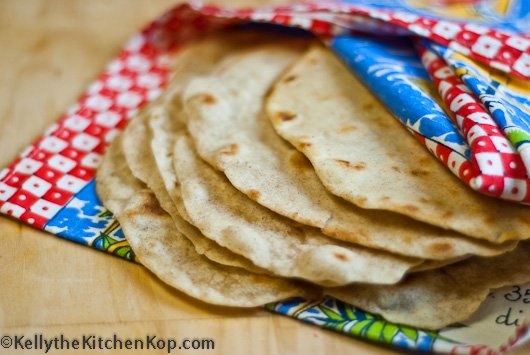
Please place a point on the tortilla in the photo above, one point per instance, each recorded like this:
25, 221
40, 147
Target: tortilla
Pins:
168, 254
270, 241
437, 298
112, 186
136, 148
362, 154
225, 114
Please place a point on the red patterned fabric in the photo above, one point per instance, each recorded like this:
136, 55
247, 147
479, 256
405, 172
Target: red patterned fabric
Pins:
496, 168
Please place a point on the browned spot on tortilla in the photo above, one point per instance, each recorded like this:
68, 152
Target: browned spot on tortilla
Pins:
357, 235
385, 198
359, 166
408, 239
299, 161
347, 164
447, 214
347, 129
254, 194
290, 78
150, 205
41, 44
284, 116
344, 163
368, 106
361, 201
441, 248
270, 91
303, 145
341, 256
396, 169
231, 149
419, 172
208, 99
410, 208
312, 60
489, 220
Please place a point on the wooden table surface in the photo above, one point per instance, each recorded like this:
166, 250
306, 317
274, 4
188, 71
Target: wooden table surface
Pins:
51, 50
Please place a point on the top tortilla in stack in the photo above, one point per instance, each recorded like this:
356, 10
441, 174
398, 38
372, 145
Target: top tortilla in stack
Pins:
362, 154
225, 112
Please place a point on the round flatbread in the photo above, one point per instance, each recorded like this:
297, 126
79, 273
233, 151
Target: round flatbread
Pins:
364, 155
437, 298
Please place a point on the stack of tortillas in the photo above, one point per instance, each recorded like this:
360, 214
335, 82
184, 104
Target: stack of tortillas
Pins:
267, 170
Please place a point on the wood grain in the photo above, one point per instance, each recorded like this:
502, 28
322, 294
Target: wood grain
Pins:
51, 50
